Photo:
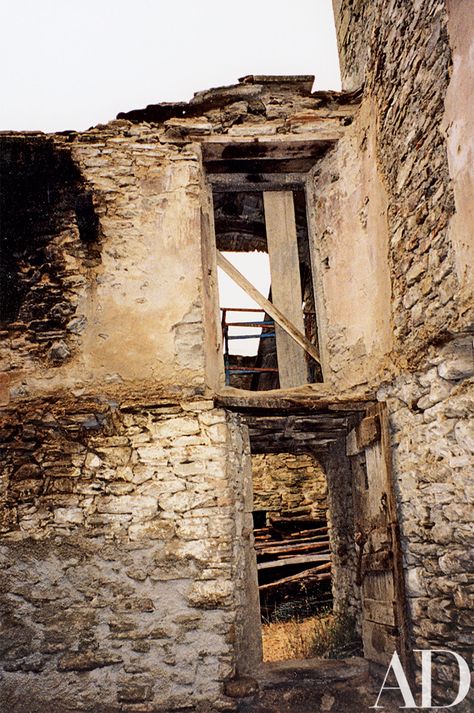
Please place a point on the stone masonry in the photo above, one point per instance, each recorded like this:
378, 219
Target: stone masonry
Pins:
129, 578
288, 482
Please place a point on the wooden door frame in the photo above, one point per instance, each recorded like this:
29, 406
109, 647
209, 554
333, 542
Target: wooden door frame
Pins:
373, 428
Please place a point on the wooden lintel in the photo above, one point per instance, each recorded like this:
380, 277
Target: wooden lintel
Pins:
266, 305
290, 401
241, 182
272, 146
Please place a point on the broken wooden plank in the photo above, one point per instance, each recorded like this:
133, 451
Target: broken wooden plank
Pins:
312, 574
297, 520
298, 559
309, 533
292, 549
270, 308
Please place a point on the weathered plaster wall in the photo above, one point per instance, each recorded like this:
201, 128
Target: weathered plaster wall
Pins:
126, 577
349, 245
407, 74
126, 307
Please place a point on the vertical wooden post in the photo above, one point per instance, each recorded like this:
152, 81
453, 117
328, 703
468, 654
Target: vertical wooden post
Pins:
286, 284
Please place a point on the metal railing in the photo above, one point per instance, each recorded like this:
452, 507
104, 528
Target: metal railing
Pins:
226, 338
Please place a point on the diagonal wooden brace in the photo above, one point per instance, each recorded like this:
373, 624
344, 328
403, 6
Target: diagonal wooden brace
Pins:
269, 308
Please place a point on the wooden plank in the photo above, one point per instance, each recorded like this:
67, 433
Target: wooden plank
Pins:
380, 611
314, 574
259, 165
380, 641
270, 308
380, 410
298, 559
291, 549
378, 586
239, 182
282, 245
302, 520
275, 147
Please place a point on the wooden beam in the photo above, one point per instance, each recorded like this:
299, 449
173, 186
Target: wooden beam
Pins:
363, 435
282, 244
269, 308
275, 146
261, 165
297, 559
232, 182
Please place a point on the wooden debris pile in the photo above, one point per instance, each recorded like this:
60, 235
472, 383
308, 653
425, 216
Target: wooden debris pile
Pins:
294, 560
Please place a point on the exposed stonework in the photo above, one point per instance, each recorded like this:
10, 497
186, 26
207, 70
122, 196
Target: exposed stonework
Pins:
111, 517
432, 417
286, 482
126, 492
414, 60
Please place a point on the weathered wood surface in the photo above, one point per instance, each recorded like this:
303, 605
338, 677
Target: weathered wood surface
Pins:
282, 242
242, 182
292, 549
297, 559
276, 148
384, 622
314, 574
363, 435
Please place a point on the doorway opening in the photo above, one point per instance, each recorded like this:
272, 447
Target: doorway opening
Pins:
305, 552
344, 446
293, 553
260, 209
264, 237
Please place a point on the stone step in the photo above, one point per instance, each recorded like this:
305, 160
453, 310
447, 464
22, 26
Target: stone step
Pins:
306, 686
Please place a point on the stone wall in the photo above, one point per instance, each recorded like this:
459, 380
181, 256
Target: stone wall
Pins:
124, 556
432, 417
407, 76
283, 481
404, 54
106, 290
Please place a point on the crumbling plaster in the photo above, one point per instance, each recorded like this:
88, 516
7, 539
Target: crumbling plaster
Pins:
459, 127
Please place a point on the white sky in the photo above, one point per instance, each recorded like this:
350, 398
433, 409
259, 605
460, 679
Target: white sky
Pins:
70, 64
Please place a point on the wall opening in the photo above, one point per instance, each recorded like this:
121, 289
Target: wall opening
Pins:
264, 235
293, 553
258, 190
306, 556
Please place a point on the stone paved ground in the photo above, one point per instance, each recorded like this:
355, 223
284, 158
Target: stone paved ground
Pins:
320, 686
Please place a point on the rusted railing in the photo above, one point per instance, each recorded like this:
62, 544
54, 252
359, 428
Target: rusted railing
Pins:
226, 337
